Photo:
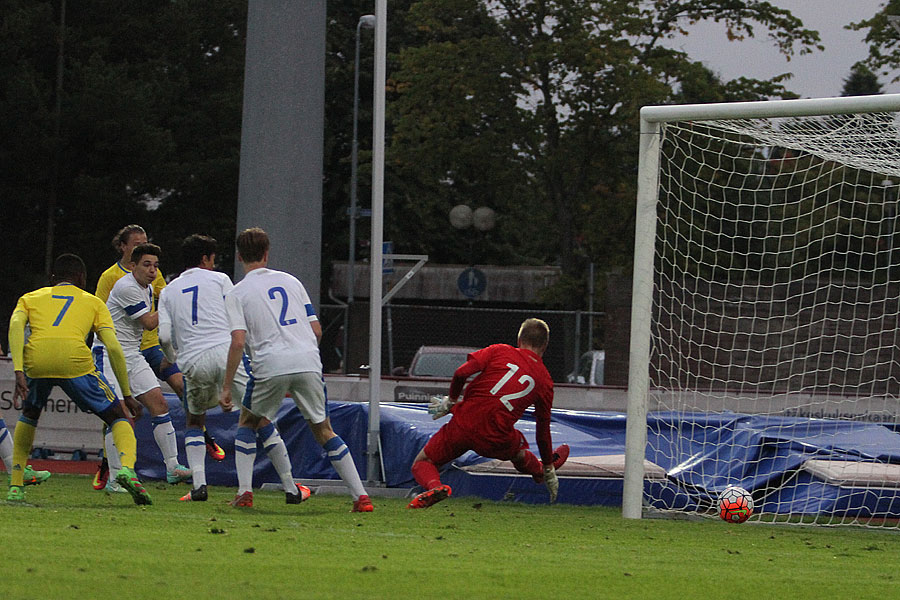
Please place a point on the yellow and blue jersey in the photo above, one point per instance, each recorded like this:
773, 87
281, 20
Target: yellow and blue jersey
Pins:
105, 285
60, 317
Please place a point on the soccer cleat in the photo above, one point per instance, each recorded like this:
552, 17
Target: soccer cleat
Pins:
102, 475
128, 479
432, 496
364, 504
560, 456
178, 474
244, 500
15, 494
303, 493
33, 477
195, 495
212, 448
112, 487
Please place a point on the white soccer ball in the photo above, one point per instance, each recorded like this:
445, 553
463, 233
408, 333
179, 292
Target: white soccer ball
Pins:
735, 504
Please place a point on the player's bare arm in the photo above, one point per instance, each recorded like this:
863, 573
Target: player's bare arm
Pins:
149, 320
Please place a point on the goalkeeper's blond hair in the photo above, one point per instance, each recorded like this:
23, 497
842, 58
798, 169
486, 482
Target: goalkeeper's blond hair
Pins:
534, 333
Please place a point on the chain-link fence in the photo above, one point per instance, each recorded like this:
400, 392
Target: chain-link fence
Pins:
406, 327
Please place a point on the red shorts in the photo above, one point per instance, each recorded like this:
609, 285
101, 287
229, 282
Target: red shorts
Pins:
452, 441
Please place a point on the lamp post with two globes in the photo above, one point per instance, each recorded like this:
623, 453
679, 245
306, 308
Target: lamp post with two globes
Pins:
472, 281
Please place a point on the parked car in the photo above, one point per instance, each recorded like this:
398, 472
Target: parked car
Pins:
590, 368
438, 361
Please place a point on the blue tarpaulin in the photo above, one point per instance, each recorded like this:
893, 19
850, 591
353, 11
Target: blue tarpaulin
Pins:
699, 455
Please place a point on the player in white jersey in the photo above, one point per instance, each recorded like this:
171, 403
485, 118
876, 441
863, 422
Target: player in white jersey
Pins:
193, 328
272, 317
131, 305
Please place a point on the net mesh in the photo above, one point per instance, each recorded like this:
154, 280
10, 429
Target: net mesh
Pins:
775, 314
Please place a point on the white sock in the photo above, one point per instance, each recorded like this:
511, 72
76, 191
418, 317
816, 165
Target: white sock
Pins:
164, 434
112, 453
244, 457
195, 448
6, 446
342, 461
275, 448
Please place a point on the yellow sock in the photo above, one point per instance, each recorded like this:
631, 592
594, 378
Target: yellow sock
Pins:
126, 444
23, 439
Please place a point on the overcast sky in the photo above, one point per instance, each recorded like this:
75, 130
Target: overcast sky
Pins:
820, 74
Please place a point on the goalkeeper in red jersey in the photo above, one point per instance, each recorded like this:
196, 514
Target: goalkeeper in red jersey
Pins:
507, 381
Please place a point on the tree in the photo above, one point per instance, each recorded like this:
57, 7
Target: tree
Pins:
883, 40
861, 82
532, 106
149, 116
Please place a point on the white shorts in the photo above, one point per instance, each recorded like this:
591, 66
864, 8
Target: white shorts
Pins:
141, 377
264, 396
204, 376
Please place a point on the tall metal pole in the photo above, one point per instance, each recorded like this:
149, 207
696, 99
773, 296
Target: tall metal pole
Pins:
368, 22
373, 471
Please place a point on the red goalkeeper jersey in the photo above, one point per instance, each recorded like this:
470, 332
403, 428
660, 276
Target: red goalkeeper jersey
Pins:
509, 380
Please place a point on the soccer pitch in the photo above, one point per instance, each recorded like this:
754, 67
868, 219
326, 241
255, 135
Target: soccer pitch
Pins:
70, 541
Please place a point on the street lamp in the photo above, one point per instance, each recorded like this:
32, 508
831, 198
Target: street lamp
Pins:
368, 22
481, 219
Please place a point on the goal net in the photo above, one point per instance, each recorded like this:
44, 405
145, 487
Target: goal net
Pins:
765, 350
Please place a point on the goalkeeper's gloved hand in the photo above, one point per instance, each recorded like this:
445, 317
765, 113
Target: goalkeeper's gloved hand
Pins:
439, 406
551, 481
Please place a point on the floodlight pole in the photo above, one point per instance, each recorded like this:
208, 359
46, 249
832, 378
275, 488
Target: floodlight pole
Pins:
365, 22
373, 470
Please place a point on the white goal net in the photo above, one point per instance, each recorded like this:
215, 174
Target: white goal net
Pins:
765, 350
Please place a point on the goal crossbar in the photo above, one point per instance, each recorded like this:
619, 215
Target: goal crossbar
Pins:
804, 107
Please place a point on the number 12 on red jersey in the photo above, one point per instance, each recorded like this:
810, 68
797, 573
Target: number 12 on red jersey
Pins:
506, 398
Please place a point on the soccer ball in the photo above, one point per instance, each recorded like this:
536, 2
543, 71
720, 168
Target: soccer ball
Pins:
735, 504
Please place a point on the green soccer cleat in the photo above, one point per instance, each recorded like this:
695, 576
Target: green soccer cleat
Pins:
128, 479
178, 474
15, 494
32, 477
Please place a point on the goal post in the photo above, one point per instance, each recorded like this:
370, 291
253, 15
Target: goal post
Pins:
766, 295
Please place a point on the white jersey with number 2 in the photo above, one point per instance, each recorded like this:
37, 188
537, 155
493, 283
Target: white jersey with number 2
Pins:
274, 309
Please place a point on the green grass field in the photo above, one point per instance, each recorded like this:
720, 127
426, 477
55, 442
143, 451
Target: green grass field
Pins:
72, 542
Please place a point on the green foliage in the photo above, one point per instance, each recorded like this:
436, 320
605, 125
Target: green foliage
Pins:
547, 94
861, 82
883, 40
149, 110
529, 108
72, 540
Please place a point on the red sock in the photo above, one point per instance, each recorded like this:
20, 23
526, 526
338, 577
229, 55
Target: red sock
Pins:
426, 474
530, 465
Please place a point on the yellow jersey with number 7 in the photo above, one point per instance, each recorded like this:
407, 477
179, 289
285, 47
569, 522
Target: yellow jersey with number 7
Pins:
60, 317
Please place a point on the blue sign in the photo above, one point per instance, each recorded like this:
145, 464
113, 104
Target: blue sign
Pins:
472, 282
